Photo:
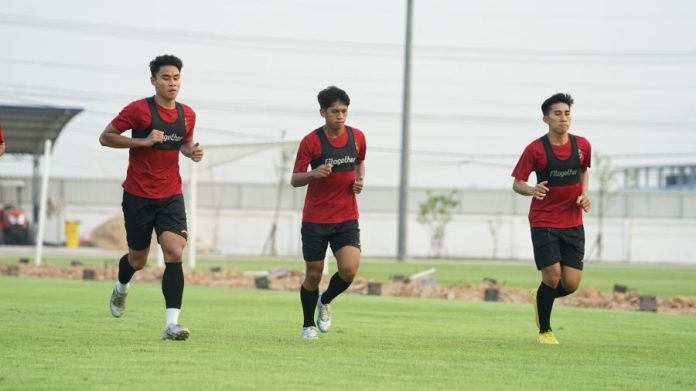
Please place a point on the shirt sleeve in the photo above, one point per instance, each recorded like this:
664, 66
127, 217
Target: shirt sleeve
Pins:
305, 154
2, 137
362, 146
525, 165
190, 118
586, 151
132, 117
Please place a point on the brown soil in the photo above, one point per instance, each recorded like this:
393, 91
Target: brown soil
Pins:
291, 280
111, 235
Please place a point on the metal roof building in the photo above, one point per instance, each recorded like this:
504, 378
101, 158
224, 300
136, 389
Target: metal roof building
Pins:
27, 127
33, 130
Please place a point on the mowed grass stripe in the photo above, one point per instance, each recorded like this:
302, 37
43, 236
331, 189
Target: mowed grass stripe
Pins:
59, 335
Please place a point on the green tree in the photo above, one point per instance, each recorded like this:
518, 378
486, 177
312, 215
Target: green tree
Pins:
436, 212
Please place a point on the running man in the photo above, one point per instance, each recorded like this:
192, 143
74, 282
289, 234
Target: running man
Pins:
336, 153
152, 194
560, 161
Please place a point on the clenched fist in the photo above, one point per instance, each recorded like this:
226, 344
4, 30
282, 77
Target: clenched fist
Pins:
358, 185
155, 137
322, 171
197, 152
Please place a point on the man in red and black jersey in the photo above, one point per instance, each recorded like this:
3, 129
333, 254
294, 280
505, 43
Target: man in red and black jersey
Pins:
160, 128
560, 161
2, 142
336, 153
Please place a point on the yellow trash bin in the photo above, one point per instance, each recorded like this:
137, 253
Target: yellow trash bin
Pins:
72, 233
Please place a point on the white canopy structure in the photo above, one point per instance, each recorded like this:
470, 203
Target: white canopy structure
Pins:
215, 156
33, 130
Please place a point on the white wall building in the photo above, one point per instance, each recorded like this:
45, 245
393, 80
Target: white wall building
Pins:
236, 219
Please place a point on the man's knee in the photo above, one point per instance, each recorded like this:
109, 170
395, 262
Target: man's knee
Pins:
570, 286
314, 272
347, 274
348, 262
137, 260
172, 246
173, 253
551, 279
314, 276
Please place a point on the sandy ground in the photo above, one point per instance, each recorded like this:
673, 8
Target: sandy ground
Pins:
283, 279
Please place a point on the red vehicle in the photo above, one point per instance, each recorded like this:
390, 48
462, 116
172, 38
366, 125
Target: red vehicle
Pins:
14, 226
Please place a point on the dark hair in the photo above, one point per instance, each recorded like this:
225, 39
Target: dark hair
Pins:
557, 98
164, 60
330, 95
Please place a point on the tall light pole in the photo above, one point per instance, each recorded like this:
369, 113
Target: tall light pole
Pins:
405, 139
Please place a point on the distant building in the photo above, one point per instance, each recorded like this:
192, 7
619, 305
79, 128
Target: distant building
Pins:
667, 178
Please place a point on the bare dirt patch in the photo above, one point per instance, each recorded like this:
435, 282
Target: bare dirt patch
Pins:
290, 280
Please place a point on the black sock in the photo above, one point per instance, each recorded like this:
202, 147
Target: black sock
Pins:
173, 284
125, 270
309, 303
560, 291
336, 286
545, 297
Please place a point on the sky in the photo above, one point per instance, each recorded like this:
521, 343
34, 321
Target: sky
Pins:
252, 70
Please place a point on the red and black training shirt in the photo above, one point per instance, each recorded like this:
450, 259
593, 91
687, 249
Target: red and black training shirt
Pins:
329, 200
558, 209
152, 173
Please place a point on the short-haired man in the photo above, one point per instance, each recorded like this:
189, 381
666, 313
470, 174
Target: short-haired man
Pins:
560, 160
152, 193
336, 153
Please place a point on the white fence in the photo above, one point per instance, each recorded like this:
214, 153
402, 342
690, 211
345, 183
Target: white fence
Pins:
237, 218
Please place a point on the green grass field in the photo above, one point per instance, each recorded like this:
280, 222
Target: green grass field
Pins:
59, 334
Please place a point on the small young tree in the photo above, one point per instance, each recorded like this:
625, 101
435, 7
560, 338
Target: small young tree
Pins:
436, 213
494, 224
605, 173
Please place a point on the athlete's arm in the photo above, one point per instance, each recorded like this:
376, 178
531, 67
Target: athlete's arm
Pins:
584, 198
359, 177
111, 137
2, 149
192, 151
300, 179
538, 191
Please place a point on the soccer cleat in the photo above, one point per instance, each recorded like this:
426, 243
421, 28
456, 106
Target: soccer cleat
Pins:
310, 333
175, 332
536, 310
548, 338
323, 316
117, 303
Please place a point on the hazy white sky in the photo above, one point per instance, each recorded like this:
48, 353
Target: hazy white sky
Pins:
252, 68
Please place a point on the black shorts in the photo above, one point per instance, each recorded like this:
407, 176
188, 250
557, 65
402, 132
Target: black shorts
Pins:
316, 237
564, 245
144, 214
